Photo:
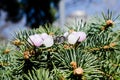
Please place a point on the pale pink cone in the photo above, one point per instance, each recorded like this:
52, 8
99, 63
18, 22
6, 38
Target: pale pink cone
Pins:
82, 36
35, 40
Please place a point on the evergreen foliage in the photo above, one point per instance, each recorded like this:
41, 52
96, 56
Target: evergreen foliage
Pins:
95, 58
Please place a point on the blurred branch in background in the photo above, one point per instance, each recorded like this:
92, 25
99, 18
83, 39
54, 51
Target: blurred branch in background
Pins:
38, 12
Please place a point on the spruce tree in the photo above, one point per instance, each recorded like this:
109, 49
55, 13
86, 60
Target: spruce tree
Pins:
85, 51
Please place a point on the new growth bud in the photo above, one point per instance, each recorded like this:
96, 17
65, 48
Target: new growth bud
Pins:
78, 71
73, 64
109, 23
